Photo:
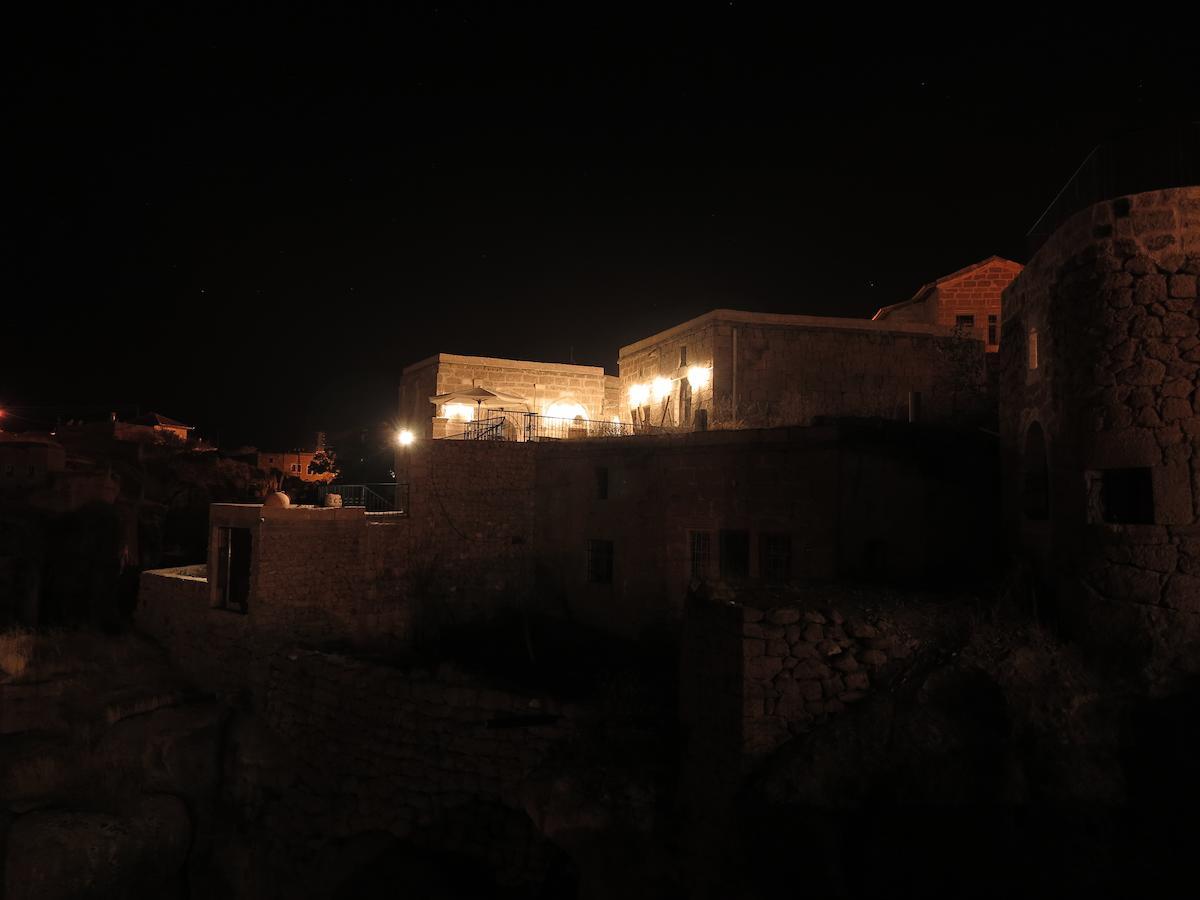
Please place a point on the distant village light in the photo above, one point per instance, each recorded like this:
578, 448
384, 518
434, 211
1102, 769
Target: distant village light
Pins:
404, 437
639, 395
662, 388
699, 377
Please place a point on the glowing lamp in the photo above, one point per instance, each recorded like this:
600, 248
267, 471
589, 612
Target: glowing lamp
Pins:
462, 412
561, 410
662, 388
639, 395
699, 377
404, 437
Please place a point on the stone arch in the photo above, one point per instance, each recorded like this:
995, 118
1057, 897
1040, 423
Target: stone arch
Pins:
1035, 471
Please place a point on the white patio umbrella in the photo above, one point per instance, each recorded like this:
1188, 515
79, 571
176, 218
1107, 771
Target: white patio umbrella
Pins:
481, 397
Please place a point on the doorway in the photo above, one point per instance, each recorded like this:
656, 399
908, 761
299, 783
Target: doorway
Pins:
233, 568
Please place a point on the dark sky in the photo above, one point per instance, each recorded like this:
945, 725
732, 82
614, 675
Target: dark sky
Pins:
252, 222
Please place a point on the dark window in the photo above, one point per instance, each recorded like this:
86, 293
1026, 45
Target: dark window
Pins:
701, 553
735, 554
600, 562
775, 556
8, 470
964, 321
601, 482
1033, 348
683, 356
1127, 496
32, 471
1036, 496
685, 402
992, 330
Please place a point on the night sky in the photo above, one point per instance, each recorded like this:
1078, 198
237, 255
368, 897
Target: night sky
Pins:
253, 222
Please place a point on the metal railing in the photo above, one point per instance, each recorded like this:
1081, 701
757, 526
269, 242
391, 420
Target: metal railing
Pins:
374, 498
518, 426
1162, 156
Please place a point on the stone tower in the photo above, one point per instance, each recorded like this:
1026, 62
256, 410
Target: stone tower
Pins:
1100, 422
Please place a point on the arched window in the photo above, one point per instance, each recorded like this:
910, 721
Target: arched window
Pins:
1035, 501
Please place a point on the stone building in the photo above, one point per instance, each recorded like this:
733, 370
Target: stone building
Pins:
29, 462
968, 300
1100, 422
609, 533
292, 463
161, 427
555, 390
729, 368
275, 575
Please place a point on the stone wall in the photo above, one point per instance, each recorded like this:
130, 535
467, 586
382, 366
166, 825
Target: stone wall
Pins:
803, 663
541, 384
213, 647
318, 576
472, 510
1100, 425
759, 668
779, 671
976, 293
501, 526
897, 503
787, 370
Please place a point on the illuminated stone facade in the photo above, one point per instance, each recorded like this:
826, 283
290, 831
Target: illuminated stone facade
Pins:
549, 389
764, 369
1100, 421
968, 299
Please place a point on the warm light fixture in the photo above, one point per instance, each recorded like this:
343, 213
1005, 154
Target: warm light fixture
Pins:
563, 410
639, 395
464, 412
699, 377
662, 388
404, 437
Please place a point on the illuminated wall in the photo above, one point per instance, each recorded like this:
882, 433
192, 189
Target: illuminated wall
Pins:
750, 370
543, 385
972, 293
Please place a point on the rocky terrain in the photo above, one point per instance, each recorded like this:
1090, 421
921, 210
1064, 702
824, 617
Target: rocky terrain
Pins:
989, 758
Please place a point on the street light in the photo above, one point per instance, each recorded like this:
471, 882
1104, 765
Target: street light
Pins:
404, 437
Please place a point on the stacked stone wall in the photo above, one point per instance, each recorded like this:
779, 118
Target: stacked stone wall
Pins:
1112, 298
803, 664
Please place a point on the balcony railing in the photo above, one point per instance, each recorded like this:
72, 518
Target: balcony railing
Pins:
518, 426
374, 498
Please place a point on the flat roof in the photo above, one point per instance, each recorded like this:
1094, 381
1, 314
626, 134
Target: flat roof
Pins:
794, 321
501, 363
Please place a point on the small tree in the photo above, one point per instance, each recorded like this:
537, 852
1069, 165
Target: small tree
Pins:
324, 463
